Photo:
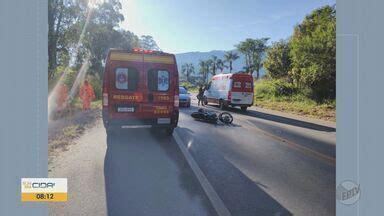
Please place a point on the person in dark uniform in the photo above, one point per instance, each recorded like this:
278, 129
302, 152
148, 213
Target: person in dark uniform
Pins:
200, 96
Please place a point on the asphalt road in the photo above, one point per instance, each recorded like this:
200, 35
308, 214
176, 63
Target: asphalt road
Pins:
262, 164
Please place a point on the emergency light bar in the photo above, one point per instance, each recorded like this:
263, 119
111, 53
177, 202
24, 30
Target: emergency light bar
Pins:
139, 50
138, 57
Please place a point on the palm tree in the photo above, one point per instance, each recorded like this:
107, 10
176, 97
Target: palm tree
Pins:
253, 49
214, 61
221, 65
187, 69
245, 48
184, 69
204, 69
259, 48
230, 57
191, 69
210, 66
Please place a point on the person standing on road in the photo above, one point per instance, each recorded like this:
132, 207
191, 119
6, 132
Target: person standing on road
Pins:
87, 95
200, 96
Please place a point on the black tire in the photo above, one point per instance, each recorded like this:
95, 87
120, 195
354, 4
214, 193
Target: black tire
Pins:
169, 131
226, 117
244, 108
205, 101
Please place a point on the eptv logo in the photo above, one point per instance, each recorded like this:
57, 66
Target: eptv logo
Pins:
348, 192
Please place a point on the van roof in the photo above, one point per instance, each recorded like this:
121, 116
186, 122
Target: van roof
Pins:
138, 51
140, 55
229, 75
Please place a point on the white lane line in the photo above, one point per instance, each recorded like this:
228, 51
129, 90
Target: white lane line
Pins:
217, 203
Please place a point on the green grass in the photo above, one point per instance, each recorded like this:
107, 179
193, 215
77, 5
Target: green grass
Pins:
297, 103
78, 104
72, 131
96, 104
191, 88
66, 137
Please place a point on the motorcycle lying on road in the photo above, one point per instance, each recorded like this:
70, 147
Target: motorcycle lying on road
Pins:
212, 117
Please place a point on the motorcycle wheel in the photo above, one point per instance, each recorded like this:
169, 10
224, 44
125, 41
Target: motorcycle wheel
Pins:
226, 118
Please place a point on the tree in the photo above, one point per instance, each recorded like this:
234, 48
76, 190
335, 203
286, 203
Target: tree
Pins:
187, 69
258, 47
107, 14
244, 48
313, 53
101, 34
253, 49
278, 62
210, 66
86, 33
230, 57
204, 69
221, 65
80, 34
102, 39
213, 64
62, 15
147, 42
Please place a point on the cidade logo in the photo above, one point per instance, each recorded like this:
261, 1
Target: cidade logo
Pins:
348, 192
44, 190
29, 184
43, 185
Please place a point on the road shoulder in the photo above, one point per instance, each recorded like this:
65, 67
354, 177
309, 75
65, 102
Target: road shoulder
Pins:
294, 116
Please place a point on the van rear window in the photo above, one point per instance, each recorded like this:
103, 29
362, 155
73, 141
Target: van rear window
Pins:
237, 84
158, 80
126, 78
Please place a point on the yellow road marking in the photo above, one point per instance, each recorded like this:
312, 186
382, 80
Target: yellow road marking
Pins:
329, 160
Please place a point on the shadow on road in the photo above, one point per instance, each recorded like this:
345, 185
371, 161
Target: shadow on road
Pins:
281, 119
241, 195
146, 174
325, 147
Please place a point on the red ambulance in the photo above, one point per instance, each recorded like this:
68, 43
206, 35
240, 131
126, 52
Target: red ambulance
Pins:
140, 90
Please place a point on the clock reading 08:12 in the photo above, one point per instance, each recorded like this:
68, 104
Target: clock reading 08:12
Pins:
44, 196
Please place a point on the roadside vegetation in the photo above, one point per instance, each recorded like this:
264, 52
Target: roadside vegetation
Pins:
63, 133
278, 95
300, 70
80, 33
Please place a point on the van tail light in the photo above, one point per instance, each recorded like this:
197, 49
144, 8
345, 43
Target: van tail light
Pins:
105, 99
229, 95
176, 101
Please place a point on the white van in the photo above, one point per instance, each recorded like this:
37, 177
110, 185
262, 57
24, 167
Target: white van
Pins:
230, 90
